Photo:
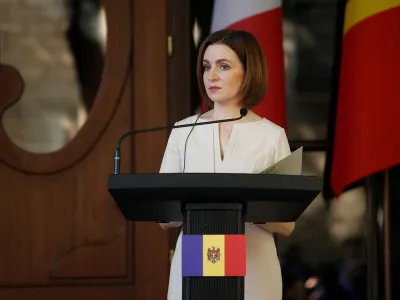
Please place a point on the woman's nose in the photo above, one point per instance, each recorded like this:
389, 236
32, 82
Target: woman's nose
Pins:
212, 74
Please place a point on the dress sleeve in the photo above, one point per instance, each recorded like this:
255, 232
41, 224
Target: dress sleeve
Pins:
282, 148
171, 162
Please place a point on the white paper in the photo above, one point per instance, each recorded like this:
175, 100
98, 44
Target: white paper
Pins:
290, 165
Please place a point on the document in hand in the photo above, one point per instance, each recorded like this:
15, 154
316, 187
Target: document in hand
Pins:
290, 165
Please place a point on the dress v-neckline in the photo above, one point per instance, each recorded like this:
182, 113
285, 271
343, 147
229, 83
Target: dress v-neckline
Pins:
229, 145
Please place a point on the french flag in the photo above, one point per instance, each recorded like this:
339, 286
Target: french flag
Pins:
262, 18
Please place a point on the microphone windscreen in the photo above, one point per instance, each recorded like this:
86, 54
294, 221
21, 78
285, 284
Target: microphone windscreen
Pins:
243, 112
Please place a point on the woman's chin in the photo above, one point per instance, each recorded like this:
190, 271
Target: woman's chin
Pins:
220, 100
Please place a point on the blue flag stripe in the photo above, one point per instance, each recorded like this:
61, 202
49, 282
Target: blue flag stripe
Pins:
192, 255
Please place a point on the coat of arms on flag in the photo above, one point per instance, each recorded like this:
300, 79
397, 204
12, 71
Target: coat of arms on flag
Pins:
213, 254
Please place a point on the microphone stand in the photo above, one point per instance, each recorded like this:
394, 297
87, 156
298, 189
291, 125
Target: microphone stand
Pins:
117, 154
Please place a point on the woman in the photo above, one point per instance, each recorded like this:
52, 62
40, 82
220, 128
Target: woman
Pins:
232, 74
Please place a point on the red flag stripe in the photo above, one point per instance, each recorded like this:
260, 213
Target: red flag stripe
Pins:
367, 126
235, 255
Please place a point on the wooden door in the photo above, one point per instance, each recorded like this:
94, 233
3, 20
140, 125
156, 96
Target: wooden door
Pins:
61, 235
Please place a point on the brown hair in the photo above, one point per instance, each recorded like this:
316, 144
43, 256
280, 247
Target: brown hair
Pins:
249, 52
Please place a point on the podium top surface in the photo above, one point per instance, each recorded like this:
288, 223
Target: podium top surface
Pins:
146, 197
171, 184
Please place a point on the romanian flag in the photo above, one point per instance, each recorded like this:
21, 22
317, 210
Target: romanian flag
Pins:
214, 255
367, 120
264, 20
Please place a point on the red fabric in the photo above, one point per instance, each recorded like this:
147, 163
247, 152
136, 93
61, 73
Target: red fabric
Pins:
367, 135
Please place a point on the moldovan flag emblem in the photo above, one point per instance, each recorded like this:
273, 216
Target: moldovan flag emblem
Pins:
214, 255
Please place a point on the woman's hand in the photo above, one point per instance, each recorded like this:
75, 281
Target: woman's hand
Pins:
169, 225
282, 228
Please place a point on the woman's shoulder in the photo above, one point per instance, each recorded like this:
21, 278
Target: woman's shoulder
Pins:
184, 131
263, 125
267, 126
189, 120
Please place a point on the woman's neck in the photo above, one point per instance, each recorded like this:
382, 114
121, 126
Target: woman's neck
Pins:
225, 112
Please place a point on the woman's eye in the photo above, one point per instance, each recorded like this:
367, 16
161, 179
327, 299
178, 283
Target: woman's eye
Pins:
224, 67
206, 68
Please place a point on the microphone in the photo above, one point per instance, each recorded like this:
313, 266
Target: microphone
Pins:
117, 155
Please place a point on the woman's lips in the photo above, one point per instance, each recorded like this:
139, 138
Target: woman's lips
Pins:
214, 88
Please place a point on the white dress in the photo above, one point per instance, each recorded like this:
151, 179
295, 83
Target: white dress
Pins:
252, 147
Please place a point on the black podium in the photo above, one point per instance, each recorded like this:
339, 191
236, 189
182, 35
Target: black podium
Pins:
212, 204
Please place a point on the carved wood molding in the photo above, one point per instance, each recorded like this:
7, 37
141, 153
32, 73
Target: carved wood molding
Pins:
116, 71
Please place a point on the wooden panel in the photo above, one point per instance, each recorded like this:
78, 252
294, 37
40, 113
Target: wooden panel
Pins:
61, 236
150, 110
70, 293
115, 74
180, 87
62, 225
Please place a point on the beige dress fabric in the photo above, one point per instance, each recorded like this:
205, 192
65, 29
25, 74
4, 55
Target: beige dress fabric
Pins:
252, 147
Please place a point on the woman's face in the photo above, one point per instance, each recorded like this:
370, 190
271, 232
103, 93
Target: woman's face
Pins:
223, 74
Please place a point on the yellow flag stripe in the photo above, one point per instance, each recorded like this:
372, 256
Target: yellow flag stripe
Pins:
358, 10
214, 265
